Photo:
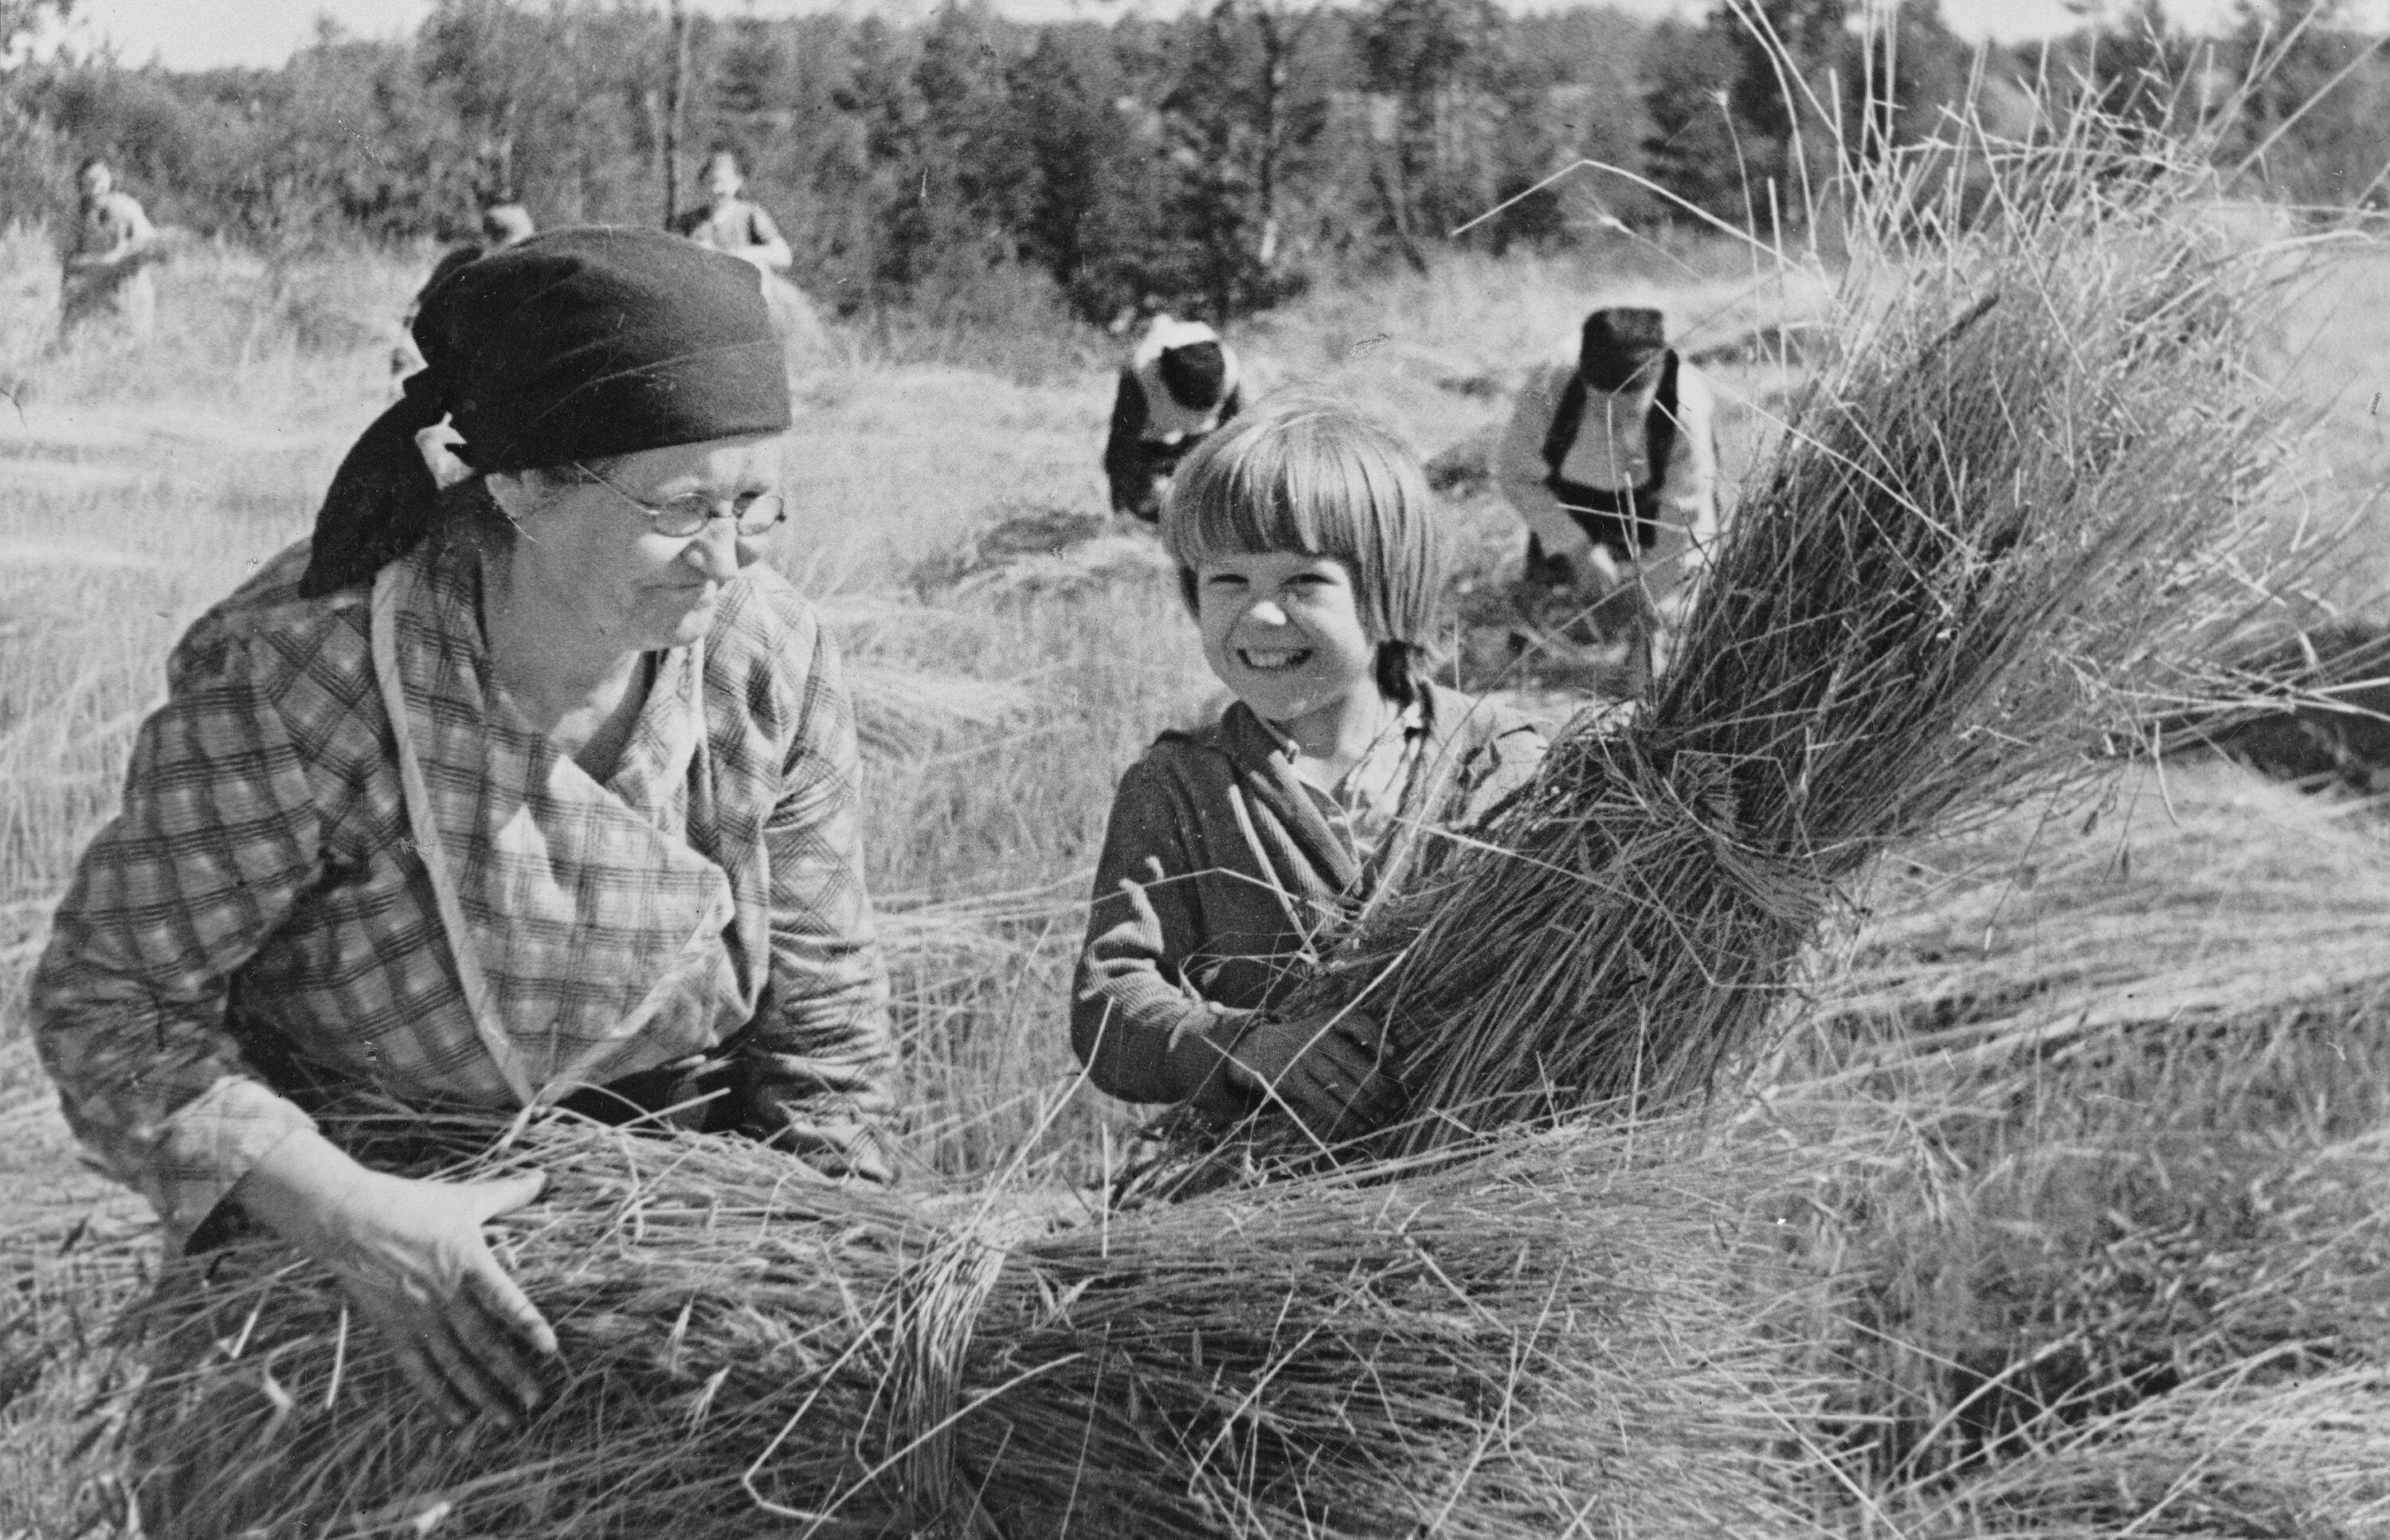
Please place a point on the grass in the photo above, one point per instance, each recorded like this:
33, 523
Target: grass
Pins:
2009, 1212
2125, 1072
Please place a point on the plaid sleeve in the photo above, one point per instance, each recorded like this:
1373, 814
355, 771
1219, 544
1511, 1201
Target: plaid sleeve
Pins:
823, 1066
215, 838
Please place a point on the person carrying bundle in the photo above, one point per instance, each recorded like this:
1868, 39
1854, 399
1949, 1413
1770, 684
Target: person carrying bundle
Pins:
1180, 385
535, 790
107, 270
1611, 459
1238, 856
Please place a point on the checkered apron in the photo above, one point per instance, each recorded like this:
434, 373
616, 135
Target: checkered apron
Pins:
589, 940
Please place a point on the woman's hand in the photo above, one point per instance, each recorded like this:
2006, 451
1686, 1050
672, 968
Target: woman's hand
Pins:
1328, 1069
411, 1256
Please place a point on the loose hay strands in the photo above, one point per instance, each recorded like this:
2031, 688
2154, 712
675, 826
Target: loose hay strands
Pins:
2125, 1079
2196, 899
1994, 531
902, 714
1569, 1335
2311, 1458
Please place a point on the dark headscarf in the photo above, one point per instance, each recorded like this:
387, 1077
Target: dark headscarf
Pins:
1618, 344
570, 346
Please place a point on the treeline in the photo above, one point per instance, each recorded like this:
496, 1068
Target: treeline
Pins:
1214, 162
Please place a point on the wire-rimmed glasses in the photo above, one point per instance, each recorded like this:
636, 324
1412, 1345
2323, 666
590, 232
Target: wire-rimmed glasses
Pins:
756, 513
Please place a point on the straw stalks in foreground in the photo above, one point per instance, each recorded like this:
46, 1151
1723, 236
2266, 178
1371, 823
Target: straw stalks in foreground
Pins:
1570, 1334
2118, 1250
2000, 527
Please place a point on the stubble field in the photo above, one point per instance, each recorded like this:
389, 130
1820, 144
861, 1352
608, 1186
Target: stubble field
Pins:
1011, 654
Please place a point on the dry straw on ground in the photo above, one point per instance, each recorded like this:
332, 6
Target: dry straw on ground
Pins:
2118, 1239
1994, 525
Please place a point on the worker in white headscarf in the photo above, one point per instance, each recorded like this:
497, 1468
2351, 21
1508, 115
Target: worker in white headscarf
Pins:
1180, 385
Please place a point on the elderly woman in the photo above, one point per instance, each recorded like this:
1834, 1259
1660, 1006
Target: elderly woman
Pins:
532, 790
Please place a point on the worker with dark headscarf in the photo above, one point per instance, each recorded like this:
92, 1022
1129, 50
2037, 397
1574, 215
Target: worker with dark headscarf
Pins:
1611, 459
1180, 385
535, 790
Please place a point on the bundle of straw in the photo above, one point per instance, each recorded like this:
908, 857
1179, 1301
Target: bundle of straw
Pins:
1997, 529
1568, 1335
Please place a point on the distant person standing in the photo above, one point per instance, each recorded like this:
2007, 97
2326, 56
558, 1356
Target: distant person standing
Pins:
730, 222
107, 271
1180, 385
1611, 459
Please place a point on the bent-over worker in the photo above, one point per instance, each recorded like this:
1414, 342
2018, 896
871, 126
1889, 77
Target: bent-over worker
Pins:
1180, 385
1611, 459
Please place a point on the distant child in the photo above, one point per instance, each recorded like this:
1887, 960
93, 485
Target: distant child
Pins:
1179, 387
1239, 855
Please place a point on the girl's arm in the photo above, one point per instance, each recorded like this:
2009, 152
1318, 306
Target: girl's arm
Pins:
1143, 1030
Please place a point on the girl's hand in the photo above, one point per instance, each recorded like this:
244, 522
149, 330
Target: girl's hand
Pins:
1327, 1071
411, 1256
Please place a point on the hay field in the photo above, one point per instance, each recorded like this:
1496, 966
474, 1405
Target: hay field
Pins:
1004, 686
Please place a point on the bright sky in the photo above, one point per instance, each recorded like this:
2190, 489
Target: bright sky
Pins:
194, 34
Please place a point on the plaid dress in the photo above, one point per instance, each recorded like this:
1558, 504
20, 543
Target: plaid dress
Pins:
278, 907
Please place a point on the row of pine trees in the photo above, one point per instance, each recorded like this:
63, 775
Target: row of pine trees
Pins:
1214, 162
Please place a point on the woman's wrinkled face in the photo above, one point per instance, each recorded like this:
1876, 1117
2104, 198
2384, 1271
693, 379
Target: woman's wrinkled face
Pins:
586, 548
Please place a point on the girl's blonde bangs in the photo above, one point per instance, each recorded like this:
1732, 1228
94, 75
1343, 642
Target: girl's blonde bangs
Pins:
1319, 479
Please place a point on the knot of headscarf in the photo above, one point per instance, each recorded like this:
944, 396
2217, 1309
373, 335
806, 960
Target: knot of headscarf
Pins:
574, 345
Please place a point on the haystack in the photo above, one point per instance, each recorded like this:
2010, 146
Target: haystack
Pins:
1986, 535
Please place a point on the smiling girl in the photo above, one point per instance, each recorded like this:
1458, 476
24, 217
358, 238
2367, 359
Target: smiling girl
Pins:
1238, 856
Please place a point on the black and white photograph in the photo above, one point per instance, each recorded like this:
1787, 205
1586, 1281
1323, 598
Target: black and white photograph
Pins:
1194, 769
